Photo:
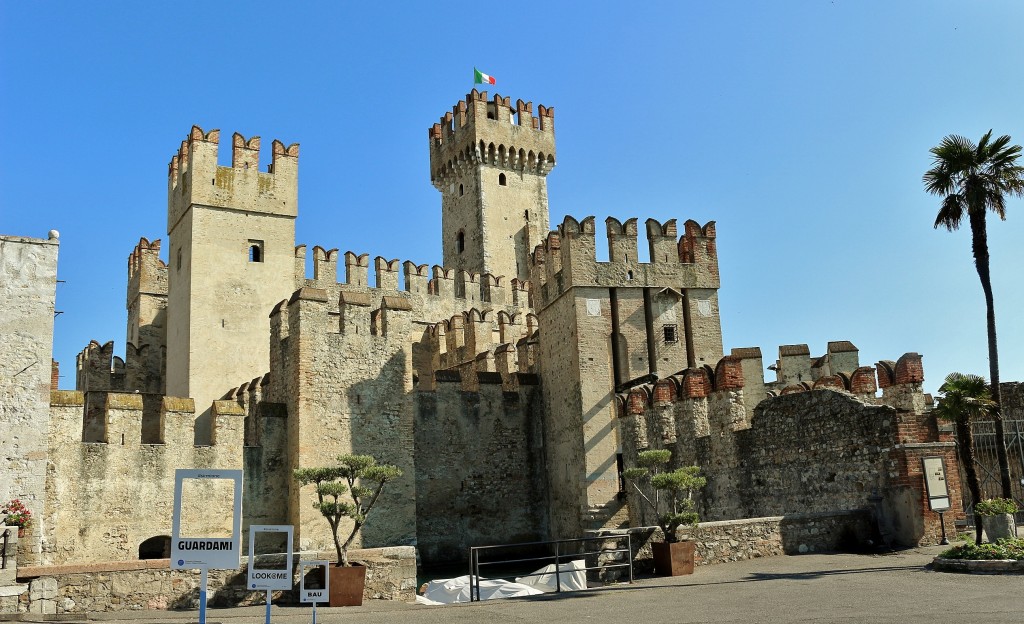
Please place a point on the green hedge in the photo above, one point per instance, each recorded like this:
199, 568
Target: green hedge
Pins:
1010, 548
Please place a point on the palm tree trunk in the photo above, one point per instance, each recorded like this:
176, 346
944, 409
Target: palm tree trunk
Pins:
965, 439
979, 244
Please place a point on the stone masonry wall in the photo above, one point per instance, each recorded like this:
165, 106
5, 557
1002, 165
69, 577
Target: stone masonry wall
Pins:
479, 470
346, 393
814, 451
151, 584
28, 282
802, 452
118, 492
737, 540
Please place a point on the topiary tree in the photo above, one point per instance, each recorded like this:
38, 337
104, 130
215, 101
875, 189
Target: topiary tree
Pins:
669, 494
358, 476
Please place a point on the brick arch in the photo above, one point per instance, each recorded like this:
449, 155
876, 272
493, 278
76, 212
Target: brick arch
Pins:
830, 381
637, 400
666, 390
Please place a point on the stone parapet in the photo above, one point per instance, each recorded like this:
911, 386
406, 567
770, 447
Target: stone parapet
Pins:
151, 584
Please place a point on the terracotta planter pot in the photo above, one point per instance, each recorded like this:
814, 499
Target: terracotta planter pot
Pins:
673, 559
347, 585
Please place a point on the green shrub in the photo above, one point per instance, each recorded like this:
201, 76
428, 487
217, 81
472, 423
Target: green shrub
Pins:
996, 507
1010, 548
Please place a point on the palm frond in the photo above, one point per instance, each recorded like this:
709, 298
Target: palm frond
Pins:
951, 214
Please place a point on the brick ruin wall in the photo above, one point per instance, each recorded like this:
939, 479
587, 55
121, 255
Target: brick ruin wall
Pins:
803, 452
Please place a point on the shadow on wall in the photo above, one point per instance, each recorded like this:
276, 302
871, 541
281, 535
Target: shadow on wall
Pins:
851, 532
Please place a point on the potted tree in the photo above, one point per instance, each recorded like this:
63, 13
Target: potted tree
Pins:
348, 489
997, 518
669, 495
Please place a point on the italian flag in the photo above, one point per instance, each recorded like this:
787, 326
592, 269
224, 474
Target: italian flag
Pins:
481, 78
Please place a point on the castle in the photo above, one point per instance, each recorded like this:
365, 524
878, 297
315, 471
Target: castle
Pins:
511, 384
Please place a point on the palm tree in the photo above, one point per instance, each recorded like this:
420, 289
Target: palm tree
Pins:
965, 397
974, 179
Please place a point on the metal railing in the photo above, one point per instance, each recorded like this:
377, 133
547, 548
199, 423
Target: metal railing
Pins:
3, 553
987, 463
565, 550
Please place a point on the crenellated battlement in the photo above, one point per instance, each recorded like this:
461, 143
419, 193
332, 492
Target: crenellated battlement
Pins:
494, 133
147, 273
98, 369
567, 257
478, 341
120, 423
432, 283
194, 177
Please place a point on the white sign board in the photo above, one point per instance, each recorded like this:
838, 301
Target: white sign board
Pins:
309, 593
935, 483
270, 578
217, 553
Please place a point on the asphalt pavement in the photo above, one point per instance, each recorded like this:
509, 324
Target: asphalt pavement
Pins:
896, 587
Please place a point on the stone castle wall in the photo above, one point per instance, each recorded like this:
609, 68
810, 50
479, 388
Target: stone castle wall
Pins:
28, 284
803, 452
122, 490
480, 475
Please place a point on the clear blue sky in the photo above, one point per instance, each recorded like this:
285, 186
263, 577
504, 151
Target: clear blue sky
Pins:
802, 128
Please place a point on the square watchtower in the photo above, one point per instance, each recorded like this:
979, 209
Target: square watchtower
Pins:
490, 162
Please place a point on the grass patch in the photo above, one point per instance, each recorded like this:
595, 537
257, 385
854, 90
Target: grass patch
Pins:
1011, 548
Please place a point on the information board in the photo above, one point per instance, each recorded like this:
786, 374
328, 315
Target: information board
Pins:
216, 553
313, 585
279, 577
935, 483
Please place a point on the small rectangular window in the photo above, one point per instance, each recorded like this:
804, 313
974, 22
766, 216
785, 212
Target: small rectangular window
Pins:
179, 258
255, 251
670, 333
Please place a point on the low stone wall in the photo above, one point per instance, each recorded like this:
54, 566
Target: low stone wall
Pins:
736, 540
151, 584
978, 566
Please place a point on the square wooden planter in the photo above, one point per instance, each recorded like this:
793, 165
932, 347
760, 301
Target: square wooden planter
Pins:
673, 559
347, 585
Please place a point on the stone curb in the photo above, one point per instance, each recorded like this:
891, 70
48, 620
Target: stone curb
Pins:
979, 566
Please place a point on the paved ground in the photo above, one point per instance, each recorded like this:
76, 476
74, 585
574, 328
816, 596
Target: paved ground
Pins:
806, 588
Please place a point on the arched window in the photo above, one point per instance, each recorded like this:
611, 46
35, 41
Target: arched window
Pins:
255, 251
460, 241
460, 190
158, 547
502, 180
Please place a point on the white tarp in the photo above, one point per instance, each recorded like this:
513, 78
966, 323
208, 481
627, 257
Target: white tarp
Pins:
448, 591
571, 575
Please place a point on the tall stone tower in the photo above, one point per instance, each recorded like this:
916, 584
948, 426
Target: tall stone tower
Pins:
231, 259
490, 161
606, 327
